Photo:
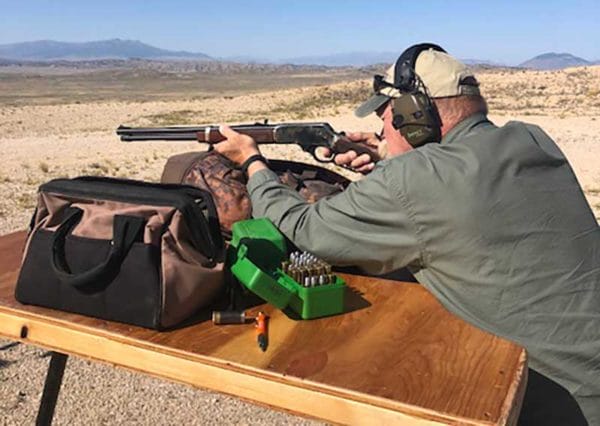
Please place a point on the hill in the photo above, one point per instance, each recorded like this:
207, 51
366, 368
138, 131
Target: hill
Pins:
554, 61
45, 50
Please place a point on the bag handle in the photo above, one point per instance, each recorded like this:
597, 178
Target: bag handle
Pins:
125, 232
210, 231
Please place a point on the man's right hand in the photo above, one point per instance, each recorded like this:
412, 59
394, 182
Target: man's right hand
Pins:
361, 163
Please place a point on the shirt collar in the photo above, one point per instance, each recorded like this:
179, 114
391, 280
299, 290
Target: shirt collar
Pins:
466, 127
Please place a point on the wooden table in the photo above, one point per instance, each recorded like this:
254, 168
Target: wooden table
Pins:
397, 357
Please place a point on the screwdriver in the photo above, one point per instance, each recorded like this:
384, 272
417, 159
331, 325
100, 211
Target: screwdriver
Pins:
261, 331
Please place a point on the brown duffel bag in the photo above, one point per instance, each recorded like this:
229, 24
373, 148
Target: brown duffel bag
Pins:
128, 251
216, 174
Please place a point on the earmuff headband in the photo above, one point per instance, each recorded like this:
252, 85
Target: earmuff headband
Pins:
404, 70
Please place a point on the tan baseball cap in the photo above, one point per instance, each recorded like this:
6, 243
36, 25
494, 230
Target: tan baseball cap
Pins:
443, 76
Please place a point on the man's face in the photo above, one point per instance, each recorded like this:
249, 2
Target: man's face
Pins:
396, 143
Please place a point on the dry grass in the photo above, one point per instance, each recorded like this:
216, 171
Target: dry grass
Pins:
327, 100
293, 104
565, 93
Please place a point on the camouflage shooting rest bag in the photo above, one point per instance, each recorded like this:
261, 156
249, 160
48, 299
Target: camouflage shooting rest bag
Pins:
121, 250
216, 174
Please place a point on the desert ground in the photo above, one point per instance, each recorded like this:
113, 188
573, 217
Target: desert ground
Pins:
65, 128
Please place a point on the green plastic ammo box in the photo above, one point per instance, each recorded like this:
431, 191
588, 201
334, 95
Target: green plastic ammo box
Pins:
255, 255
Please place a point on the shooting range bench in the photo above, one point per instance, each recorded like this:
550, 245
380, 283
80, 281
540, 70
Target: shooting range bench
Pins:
397, 358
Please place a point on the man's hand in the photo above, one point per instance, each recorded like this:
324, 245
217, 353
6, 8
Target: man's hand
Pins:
237, 147
362, 163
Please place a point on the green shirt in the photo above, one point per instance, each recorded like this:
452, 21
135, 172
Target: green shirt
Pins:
492, 221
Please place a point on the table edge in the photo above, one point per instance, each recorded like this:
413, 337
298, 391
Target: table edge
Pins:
351, 406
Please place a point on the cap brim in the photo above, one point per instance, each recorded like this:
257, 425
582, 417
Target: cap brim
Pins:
371, 105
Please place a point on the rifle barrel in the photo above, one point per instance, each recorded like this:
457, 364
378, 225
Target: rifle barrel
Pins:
137, 137
175, 129
209, 134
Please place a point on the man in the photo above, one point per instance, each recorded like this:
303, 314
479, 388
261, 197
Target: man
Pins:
490, 219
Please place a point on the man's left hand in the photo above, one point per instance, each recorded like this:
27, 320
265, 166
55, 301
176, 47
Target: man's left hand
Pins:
237, 147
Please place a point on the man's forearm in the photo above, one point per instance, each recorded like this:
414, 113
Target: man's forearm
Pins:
362, 226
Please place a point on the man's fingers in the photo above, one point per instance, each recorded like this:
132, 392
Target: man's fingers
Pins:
366, 168
325, 152
353, 136
345, 158
370, 138
227, 131
360, 161
358, 136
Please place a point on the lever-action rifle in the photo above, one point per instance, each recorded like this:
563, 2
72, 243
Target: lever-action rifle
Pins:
310, 137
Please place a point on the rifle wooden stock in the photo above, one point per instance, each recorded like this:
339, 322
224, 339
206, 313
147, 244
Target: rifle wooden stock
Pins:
343, 144
261, 134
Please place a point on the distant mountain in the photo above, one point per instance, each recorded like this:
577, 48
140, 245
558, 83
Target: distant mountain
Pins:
555, 61
46, 50
482, 62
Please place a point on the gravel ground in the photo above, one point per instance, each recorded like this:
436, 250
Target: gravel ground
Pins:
98, 394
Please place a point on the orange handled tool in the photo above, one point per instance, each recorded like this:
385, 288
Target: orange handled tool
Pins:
261, 330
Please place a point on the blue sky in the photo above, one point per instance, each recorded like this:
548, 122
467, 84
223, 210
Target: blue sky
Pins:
504, 31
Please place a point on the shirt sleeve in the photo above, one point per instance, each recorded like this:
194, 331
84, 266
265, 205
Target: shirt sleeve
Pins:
366, 225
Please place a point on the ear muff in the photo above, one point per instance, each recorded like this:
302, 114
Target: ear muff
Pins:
414, 113
417, 119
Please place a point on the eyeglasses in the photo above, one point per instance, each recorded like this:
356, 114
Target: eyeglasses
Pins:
380, 83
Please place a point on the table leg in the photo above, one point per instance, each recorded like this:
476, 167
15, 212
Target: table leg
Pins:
51, 388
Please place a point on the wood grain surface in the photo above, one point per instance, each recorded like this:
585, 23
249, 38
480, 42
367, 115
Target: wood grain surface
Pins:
397, 357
